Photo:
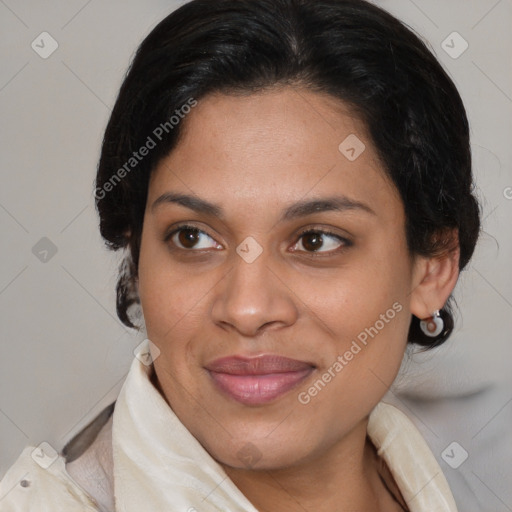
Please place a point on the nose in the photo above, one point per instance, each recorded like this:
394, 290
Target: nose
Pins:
253, 298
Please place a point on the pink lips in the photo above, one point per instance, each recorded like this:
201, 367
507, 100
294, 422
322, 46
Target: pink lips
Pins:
257, 380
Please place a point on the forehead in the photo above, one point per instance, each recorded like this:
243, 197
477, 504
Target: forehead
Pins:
273, 147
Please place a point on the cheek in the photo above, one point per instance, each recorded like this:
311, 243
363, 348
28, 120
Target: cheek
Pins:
366, 317
175, 300
172, 305
364, 310
168, 295
368, 290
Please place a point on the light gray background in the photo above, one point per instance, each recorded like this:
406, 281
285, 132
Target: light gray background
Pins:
64, 354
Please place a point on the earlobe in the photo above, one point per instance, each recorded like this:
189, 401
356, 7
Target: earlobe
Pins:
433, 281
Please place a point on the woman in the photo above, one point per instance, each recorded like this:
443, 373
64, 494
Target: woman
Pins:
291, 180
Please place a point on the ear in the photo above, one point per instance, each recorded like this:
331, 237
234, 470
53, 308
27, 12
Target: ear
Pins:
433, 280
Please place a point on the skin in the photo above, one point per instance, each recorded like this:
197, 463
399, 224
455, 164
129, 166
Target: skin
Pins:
254, 156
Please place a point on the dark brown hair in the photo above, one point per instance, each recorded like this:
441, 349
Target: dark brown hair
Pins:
350, 49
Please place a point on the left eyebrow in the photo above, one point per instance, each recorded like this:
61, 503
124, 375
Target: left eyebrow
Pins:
335, 203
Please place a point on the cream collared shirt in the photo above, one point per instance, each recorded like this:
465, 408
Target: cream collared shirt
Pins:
135, 455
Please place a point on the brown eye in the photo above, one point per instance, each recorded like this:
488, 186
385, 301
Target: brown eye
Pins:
188, 237
319, 241
312, 241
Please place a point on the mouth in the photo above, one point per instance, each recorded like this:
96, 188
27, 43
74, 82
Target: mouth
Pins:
258, 380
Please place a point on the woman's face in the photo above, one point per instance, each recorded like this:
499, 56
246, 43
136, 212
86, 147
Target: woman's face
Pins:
274, 276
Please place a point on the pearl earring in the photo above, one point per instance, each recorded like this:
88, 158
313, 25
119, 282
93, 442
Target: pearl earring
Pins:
433, 326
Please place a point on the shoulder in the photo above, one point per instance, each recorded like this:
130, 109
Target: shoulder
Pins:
39, 479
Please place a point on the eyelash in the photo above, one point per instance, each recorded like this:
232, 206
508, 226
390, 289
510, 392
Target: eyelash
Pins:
314, 254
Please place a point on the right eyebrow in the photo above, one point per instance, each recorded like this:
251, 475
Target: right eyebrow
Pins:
193, 203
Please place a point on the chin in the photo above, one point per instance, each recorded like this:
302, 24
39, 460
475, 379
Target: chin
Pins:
261, 453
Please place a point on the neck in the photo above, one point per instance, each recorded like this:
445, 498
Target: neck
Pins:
343, 477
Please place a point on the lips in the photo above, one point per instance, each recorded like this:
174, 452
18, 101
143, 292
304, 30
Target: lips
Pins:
257, 380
